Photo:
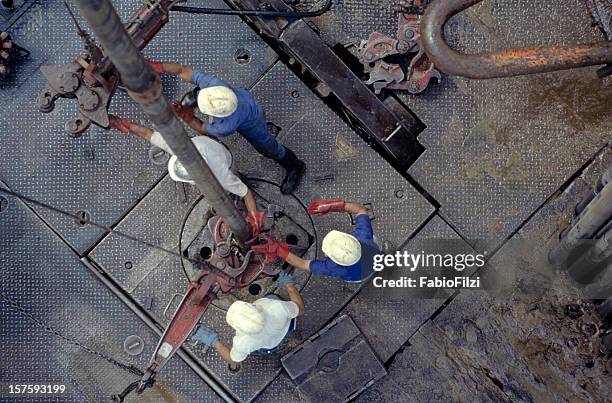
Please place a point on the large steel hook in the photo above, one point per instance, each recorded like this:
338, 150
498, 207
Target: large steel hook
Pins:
506, 63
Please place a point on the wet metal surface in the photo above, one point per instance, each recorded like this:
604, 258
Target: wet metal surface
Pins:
504, 146
388, 321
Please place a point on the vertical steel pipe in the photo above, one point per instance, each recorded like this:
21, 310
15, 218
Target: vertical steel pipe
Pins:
507, 63
592, 219
145, 87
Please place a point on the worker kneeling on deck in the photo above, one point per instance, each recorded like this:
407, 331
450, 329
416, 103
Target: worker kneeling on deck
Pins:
261, 327
216, 155
350, 257
231, 109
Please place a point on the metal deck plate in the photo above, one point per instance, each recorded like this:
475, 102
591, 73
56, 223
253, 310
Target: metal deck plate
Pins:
44, 278
388, 321
280, 390
354, 20
155, 278
337, 363
497, 149
497, 342
104, 173
331, 149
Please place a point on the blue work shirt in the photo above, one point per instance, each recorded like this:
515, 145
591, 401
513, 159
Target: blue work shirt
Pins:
247, 116
360, 270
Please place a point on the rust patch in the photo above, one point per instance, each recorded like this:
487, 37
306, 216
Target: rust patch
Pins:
582, 103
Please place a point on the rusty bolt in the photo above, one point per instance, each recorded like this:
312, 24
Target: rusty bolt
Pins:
403, 46
90, 101
69, 82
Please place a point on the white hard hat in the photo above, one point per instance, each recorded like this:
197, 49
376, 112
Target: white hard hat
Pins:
245, 317
217, 101
177, 171
343, 249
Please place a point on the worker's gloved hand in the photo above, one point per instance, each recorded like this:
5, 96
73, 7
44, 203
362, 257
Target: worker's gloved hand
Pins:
120, 124
320, 207
257, 220
285, 279
205, 335
158, 67
272, 249
183, 112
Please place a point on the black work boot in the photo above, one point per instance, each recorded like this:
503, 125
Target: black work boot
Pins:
295, 169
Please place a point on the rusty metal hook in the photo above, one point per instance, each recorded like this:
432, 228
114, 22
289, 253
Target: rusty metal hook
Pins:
506, 63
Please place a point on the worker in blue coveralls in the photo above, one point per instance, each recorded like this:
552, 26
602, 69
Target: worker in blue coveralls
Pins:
348, 256
231, 109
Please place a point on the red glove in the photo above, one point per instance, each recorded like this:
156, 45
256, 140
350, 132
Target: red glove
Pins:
120, 124
183, 112
158, 67
272, 249
320, 207
257, 220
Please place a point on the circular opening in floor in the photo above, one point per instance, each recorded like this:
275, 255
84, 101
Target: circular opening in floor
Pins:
242, 56
291, 239
255, 289
205, 253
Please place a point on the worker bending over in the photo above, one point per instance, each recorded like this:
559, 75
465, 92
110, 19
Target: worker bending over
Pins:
231, 109
216, 155
348, 257
261, 327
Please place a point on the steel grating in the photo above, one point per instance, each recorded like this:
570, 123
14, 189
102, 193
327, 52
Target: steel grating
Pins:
103, 172
45, 279
497, 149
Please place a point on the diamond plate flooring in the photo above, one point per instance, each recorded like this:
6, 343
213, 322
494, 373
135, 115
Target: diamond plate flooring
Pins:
387, 320
332, 149
481, 166
497, 149
42, 277
103, 172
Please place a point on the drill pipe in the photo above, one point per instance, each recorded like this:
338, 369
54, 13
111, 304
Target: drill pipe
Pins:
145, 87
593, 217
506, 63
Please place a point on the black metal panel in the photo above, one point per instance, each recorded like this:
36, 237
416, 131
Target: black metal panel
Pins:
335, 364
373, 116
